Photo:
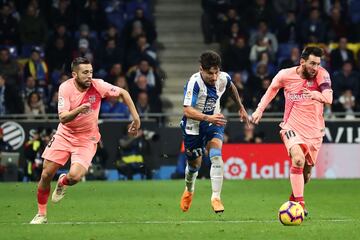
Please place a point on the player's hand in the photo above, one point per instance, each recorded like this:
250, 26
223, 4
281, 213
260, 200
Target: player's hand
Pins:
313, 95
244, 116
308, 94
85, 107
217, 119
134, 127
256, 116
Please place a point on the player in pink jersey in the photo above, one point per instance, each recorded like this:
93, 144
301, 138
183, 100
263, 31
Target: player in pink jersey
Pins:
307, 88
78, 133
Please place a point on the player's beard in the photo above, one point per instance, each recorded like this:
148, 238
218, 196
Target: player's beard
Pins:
307, 75
81, 84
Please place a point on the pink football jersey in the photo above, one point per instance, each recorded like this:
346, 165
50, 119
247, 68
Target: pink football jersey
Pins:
85, 125
303, 115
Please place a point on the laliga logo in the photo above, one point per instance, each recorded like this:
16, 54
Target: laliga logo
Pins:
13, 134
235, 168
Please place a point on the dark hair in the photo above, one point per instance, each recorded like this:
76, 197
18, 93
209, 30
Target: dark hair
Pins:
316, 51
77, 61
210, 59
28, 100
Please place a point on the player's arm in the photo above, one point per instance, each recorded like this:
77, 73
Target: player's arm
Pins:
217, 119
267, 98
68, 116
106, 89
241, 109
65, 114
135, 125
191, 93
325, 96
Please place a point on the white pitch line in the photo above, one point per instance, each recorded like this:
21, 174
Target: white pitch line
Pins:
175, 222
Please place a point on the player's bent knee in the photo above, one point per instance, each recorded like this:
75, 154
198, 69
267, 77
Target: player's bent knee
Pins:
74, 178
298, 161
46, 176
194, 169
194, 165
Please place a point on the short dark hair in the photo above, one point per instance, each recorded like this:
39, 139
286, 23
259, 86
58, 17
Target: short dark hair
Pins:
209, 59
77, 61
316, 51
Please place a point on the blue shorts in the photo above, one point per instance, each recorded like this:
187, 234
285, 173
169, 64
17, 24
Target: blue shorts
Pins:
195, 144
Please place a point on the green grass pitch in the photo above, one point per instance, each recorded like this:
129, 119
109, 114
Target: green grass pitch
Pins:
150, 210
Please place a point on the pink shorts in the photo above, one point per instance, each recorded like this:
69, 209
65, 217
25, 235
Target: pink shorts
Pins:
60, 149
310, 146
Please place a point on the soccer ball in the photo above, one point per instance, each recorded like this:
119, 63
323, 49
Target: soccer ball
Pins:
291, 213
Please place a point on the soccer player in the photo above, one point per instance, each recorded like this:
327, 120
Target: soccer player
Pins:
307, 88
78, 133
203, 125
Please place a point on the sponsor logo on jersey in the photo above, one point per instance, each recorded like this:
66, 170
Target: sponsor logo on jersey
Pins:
210, 105
296, 97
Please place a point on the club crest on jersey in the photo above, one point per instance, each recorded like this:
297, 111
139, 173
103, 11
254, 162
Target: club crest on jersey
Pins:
92, 99
310, 83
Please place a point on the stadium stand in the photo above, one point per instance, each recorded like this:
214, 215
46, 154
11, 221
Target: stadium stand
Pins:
260, 25
38, 40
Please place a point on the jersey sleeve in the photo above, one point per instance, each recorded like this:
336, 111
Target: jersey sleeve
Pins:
191, 92
323, 79
63, 99
106, 89
277, 81
271, 92
228, 80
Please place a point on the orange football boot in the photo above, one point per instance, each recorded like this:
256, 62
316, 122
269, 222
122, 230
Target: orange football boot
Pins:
217, 205
186, 200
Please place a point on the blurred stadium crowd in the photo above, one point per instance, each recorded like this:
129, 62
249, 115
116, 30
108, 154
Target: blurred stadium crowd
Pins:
260, 37
39, 39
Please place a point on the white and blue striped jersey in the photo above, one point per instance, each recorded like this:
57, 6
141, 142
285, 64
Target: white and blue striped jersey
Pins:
204, 98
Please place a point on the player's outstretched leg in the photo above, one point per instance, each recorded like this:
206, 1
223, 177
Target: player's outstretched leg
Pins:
216, 175
43, 191
190, 178
60, 188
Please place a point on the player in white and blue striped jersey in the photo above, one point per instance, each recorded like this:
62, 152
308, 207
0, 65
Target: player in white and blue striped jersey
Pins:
203, 125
